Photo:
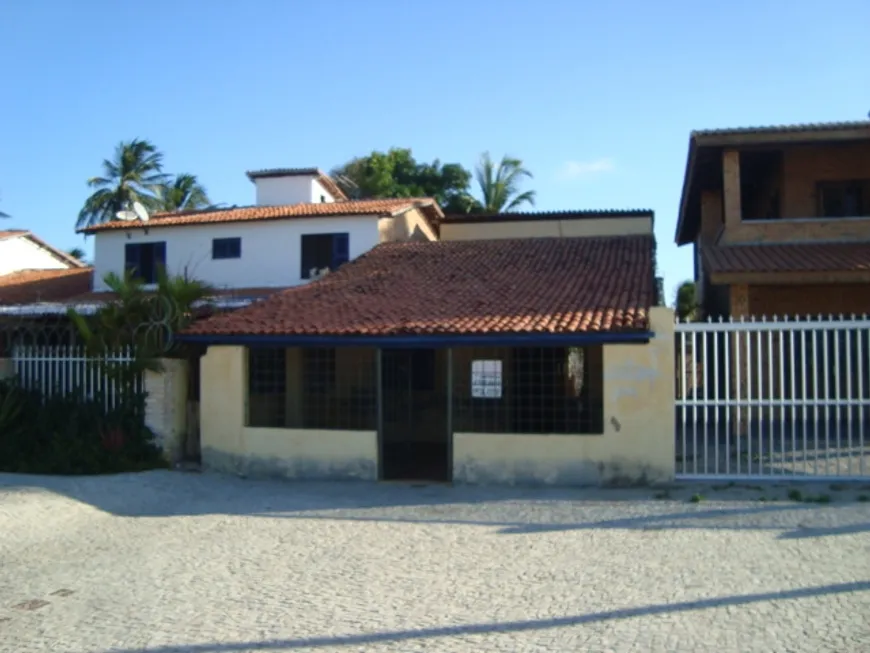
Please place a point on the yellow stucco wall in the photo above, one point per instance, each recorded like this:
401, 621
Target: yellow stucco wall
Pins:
230, 446
410, 225
638, 441
589, 227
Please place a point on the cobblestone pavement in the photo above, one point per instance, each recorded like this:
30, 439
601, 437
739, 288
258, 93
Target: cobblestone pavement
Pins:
166, 561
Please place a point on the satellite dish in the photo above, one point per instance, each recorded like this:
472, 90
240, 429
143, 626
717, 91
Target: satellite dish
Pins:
141, 213
126, 215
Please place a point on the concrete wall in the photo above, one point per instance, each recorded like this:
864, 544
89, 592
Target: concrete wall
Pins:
166, 406
639, 425
21, 253
295, 189
588, 227
411, 225
230, 446
271, 250
7, 368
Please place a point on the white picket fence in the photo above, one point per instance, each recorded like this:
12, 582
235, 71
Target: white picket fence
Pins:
773, 399
61, 370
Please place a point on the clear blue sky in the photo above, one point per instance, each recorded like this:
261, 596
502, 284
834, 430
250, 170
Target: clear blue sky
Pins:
597, 98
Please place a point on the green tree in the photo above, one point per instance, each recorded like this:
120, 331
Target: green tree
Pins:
686, 301
181, 193
500, 184
134, 174
77, 252
396, 173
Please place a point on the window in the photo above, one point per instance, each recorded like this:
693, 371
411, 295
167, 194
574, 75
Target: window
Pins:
299, 388
323, 199
321, 251
842, 199
145, 259
267, 387
543, 390
226, 248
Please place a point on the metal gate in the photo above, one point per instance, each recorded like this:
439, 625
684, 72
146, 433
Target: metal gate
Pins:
773, 399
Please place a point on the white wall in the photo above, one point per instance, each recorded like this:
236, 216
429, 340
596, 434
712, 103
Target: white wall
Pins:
272, 191
271, 250
21, 253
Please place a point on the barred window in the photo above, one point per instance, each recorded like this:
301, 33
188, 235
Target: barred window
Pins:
313, 388
535, 390
267, 386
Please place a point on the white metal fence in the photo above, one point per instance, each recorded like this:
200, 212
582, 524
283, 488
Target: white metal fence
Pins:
63, 370
773, 398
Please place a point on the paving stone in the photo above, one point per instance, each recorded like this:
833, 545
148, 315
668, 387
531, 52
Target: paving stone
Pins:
165, 561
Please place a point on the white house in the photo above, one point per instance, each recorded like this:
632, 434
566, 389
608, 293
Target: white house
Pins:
21, 250
301, 225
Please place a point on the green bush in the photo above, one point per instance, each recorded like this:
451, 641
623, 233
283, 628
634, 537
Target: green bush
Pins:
73, 434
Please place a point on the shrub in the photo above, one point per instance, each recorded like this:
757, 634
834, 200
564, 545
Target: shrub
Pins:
73, 434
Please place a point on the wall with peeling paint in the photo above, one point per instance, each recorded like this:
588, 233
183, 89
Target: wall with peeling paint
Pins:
228, 445
637, 446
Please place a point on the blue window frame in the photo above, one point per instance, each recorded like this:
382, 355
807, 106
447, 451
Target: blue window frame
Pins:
145, 259
324, 251
226, 248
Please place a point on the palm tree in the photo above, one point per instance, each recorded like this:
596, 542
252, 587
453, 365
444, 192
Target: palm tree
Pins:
135, 174
182, 193
500, 186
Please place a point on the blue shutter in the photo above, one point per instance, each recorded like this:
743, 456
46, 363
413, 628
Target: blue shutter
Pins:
340, 250
131, 259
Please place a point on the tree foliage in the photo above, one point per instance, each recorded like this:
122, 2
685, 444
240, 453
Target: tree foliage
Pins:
181, 193
140, 318
686, 301
78, 253
396, 173
135, 174
500, 184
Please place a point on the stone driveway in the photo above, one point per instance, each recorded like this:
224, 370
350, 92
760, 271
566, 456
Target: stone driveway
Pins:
166, 561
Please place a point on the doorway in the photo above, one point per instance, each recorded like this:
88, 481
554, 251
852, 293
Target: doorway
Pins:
414, 438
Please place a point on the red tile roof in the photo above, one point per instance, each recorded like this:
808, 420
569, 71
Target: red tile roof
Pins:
545, 285
34, 286
792, 257
322, 178
381, 207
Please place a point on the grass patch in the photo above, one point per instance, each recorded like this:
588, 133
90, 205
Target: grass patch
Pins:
661, 496
863, 498
836, 487
795, 495
819, 498
762, 498
696, 498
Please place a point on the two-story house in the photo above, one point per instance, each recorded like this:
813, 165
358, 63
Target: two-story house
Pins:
780, 219
301, 226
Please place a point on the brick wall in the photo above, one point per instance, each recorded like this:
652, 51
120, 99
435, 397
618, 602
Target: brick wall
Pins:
810, 299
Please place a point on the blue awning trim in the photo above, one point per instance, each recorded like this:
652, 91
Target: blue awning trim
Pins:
428, 341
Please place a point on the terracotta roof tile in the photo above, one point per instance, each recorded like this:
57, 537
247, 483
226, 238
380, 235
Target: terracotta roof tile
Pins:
12, 233
792, 257
383, 207
545, 285
33, 286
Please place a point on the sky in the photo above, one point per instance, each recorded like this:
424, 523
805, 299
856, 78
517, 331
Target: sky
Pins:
597, 98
